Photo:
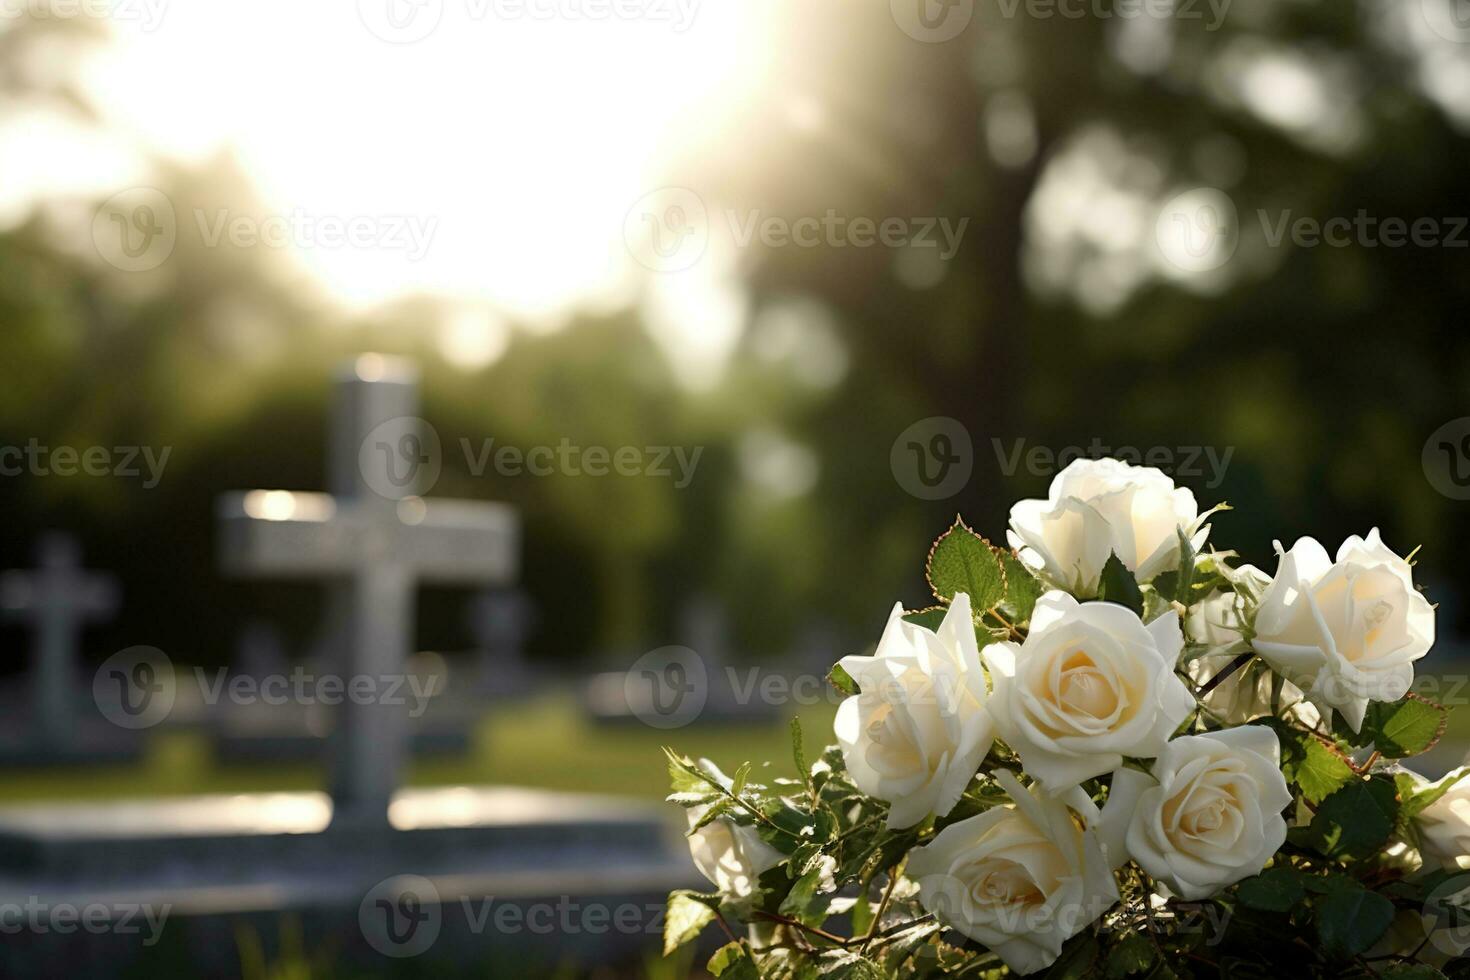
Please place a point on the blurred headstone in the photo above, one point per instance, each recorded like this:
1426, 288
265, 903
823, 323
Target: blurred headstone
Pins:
56, 600
375, 539
502, 619
695, 680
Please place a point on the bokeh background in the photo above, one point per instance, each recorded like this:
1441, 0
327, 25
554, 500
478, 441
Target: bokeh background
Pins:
1121, 170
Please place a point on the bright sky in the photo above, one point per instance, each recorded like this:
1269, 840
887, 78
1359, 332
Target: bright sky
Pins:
519, 133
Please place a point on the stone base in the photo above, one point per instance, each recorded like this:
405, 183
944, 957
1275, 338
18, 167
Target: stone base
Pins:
85, 744
572, 865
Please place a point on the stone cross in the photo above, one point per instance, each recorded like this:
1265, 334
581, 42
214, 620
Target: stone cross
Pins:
705, 628
57, 599
374, 539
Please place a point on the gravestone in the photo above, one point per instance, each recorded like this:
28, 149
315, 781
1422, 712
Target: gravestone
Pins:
501, 619
219, 861
375, 540
692, 681
56, 601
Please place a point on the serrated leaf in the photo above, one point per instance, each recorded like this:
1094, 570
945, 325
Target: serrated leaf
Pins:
685, 920
1314, 767
1357, 820
962, 561
716, 810
732, 962
1404, 728
1119, 585
1184, 584
1351, 921
1276, 890
798, 751
1022, 588
737, 786
862, 913
929, 618
842, 680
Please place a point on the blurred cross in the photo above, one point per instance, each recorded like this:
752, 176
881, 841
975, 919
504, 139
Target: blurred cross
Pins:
375, 540
56, 600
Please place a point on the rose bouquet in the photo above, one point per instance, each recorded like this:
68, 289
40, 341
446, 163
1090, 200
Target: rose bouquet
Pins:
1105, 751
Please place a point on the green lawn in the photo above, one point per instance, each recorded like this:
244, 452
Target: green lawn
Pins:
543, 742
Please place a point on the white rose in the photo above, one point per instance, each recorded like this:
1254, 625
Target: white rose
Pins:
917, 732
732, 857
1444, 826
1090, 685
1098, 507
1020, 879
1209, 816
1347, 632
1217, 623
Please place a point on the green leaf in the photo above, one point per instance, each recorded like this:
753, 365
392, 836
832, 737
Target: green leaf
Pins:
850, 966
1404, 728
687, 780
1133, 954
1276, 890
929, 618
798, 751
685, 919
1022, 589
862, 913
962, 561
1118, 585
1357, 820
716, 810
737, 786
1184, 586
1077, 959
842, 680
804, 902
1351, 921
1315, 768
1417, 799
733, 962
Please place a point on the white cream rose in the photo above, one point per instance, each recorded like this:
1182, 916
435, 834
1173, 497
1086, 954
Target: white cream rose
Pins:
1218, 624
732, 857
1090, 685
1098, 507
1020, 879
918, 730
1208, 816
1345, 632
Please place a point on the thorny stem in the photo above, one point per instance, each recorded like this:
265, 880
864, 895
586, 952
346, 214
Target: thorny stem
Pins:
813, 930
893, 876
1230, 669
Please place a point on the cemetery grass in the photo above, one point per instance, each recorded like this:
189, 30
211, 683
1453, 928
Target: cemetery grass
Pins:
544, 742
